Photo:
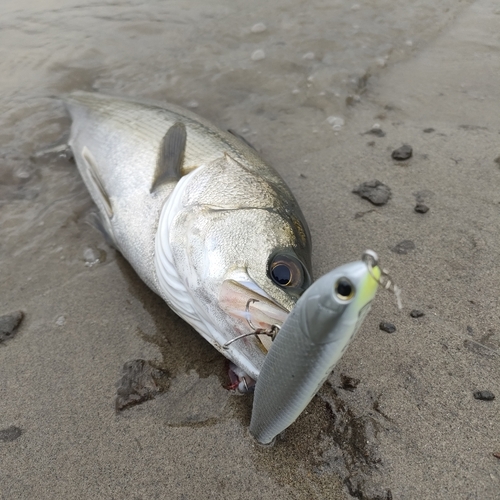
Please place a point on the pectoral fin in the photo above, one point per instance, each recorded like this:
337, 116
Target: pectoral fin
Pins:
171, 157
98, 221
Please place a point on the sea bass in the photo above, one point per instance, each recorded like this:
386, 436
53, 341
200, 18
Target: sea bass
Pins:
310, 343
203, 220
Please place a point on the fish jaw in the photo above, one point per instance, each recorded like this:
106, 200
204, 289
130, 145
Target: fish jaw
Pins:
245, 300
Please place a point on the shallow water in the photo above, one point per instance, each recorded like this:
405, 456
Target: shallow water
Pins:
290, 76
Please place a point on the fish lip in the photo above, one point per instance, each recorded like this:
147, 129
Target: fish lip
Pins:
243, 299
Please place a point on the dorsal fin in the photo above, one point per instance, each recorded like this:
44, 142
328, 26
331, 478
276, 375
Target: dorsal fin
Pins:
171, 156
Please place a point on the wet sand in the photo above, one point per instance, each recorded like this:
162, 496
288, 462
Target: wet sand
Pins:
398, 418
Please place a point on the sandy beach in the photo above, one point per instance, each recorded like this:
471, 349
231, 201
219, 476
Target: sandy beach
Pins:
325, 91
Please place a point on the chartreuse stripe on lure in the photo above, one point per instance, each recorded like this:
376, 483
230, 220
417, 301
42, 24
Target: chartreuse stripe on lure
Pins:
310, 343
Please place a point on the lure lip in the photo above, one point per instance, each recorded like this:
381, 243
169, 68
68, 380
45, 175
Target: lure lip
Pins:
364, 280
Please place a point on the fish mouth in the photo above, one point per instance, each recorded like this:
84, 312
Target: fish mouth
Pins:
243, 299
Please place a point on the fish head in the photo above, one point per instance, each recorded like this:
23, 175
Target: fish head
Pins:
242, 245
270, 274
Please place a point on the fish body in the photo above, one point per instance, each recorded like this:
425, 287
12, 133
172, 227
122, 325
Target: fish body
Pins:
202, 219
310, 342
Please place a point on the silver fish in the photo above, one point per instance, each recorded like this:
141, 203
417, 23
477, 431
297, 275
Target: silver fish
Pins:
204, 222
310, 343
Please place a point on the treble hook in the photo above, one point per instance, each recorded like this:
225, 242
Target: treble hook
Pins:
272, 332
370, 258
247, 312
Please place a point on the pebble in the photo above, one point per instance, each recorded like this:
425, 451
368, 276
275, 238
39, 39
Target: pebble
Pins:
23, 172
429, 130
484, 395
9, 324
91, 256
258, 55
374, 191
351, 100
377, 131
421, 208
416, 313
404, 247
140, 382
61, 321
387, 327
258, 28
193, 103
337, 122
497, 160
402, 153
10, 433
496, 455
349, 383
309, 55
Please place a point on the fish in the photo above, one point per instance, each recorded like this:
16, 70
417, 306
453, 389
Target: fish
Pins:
309, 344
203, 220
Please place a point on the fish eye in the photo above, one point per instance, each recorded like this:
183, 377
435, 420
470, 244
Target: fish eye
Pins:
286, 271
344, 289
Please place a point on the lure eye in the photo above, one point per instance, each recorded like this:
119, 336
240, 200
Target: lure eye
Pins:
344, 289
286, 272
